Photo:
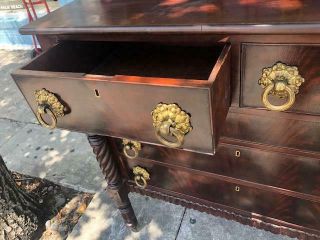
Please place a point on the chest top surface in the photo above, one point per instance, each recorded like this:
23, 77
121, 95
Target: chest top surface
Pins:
216, 16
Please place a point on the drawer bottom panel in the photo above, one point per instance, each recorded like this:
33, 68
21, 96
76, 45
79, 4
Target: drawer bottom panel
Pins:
195, 184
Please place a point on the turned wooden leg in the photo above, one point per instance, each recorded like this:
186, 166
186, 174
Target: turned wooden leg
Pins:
116, 189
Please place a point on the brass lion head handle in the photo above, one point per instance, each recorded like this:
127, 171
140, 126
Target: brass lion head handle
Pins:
280, 80
131, 148
171, 124
141, 176
49, 104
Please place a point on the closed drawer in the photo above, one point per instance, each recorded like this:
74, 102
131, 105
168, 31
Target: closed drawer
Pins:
293, 174
270, 128
115, 89
199, 185
256, 57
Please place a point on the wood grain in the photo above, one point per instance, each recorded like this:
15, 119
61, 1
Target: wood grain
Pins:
274, 129
289, 209
298, 174
269, 224
125, 102
116, 188
278, 167
214, 16
255, 57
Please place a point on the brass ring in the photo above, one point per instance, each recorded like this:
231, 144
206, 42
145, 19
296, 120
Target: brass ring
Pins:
283, 107
137, 181
44, 123
135, 150
176, 133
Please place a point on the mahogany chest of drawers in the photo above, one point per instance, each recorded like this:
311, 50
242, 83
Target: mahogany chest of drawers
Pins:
213, 105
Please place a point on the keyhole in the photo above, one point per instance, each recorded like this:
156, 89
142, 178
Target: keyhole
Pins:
237, 189
237, 153
96, 92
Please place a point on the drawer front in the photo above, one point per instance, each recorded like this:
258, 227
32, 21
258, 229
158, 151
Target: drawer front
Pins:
274, 130
283, 171
128, 106
256, 57
199, 185
121, 109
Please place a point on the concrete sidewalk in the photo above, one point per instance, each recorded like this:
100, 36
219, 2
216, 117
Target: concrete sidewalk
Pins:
12, 20
65, 158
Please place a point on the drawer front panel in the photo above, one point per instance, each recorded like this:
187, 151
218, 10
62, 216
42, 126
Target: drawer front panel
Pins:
283, 171
274, 205
256, 57
268, 129
117, 90
123, 109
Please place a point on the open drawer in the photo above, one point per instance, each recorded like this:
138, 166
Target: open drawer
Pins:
166, 94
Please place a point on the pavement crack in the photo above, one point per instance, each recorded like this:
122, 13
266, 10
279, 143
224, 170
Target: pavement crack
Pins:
17, 121
183, 214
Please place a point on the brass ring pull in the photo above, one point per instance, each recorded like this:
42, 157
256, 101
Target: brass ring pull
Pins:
165, 131
49, 104
128, 155
131, 146
282, 81
285, 106
170, 122
44, 110
141, 176
138, 179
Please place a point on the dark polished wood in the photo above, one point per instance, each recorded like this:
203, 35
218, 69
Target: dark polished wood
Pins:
135, 54
292, 175
251, 199
214, 16
256, 220
277, 131
116, 188
125, 92
304, 57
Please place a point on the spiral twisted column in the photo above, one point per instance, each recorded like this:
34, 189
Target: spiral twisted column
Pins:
116, 189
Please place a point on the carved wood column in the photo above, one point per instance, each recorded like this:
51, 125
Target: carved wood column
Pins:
116, 189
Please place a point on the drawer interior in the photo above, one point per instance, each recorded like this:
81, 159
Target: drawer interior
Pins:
134, 59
